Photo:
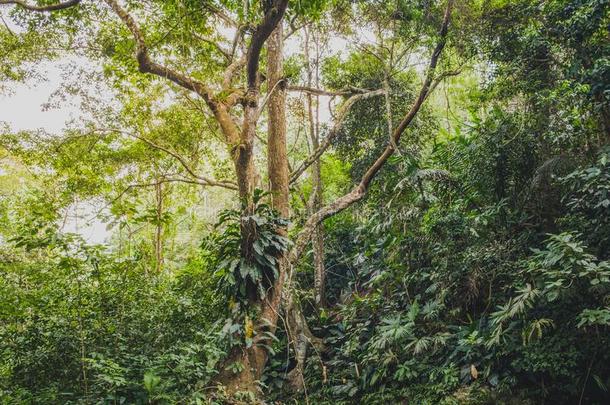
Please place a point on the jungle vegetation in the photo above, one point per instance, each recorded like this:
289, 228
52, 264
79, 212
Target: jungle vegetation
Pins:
308, 201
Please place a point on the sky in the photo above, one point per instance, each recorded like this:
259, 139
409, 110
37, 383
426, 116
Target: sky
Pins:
22, 108
22, 105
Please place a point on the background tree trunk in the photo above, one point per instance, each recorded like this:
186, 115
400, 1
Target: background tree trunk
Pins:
315, 202
159, 227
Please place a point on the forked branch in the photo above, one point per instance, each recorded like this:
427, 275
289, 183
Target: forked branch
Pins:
332, 134
273, 15
146, 65
201, 179
359, 191
198, 178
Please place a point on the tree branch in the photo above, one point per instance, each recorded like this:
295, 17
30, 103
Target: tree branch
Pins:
50, 7
273, 15
146, 65
332, 93
332, 134
169, 180
359, 191
231, 70
224, 52
142, 185
277, 84
220, 14
293, 30
442, 77
183, 163
200, 179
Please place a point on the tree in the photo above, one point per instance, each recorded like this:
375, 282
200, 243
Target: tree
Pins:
232, 81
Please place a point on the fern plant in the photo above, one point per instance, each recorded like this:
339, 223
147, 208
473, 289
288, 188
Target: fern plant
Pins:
559, 272
240, 275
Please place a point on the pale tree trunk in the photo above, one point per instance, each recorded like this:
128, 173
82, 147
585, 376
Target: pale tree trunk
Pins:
299, 333
159, 227
316, 176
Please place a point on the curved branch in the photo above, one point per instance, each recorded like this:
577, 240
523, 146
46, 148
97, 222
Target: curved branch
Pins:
146, 65
220, 14
332, 93
224, 52
279, 83
332, 134
273, 15
200, 179
423, 94
183, 163
442, 77
231, 70
170, 180
50, 7
141, 185
359, 191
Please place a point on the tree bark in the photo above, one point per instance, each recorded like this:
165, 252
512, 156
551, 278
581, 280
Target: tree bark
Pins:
47, 8
241, 145
254, 358
277, 161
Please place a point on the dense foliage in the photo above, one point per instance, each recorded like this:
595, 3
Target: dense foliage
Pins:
475, 271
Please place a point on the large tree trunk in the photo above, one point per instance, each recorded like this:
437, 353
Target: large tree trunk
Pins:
254, 358
249, 358
277, 162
